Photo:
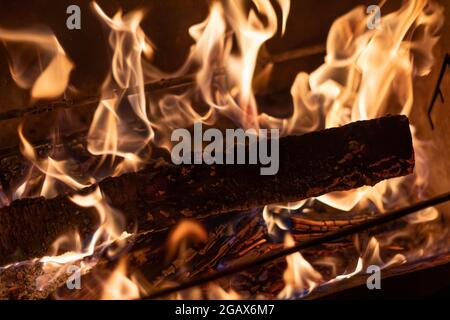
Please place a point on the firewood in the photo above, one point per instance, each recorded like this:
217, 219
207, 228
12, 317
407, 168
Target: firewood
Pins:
357, 154
146, 256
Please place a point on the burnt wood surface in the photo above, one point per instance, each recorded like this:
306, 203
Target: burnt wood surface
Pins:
357, 154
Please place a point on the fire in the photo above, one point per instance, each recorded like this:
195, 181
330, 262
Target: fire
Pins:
217, 293
178, 254
119, 286
363, 76
110, 134
358, 269
52, 170
112, 224
273, 220
109, 137
372, 256
184, 230
366, 73
300, 277
37, 62
110, 231
250, 34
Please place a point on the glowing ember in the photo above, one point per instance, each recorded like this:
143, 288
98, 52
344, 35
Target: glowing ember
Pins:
29, 48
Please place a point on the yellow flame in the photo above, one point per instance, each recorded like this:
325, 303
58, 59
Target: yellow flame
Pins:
184, 230
273, 220
366, 74
224, 78
111, 229
370, 256
111, 133
119, 286
69, 249
52, 170
285, 8
216, 292
37, 62
299, 277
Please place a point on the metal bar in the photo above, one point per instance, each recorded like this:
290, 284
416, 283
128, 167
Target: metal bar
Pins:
332, 236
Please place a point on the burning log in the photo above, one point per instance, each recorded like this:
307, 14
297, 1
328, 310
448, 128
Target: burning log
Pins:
357, 154
274, 255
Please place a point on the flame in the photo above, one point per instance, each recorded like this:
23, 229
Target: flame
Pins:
184, 230
366, 71
224, 77
250, 34
377, 67
110, 230
216, 292
112, 132
109, 136
372, 256
300, 277
37, 62
366, 74
358, 269
119, 286
285, 8
112, 223
53, 171
426, 215
272, 218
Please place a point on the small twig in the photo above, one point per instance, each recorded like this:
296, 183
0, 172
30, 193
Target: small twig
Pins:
437, 90
332, 236
254, 245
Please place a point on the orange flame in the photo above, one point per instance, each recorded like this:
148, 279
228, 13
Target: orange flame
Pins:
119, 286
52, 170
300, 277
184, 230
111, 133
37, 62
366, 73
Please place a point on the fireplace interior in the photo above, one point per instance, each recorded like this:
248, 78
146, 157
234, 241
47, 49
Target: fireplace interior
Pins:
90, 192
